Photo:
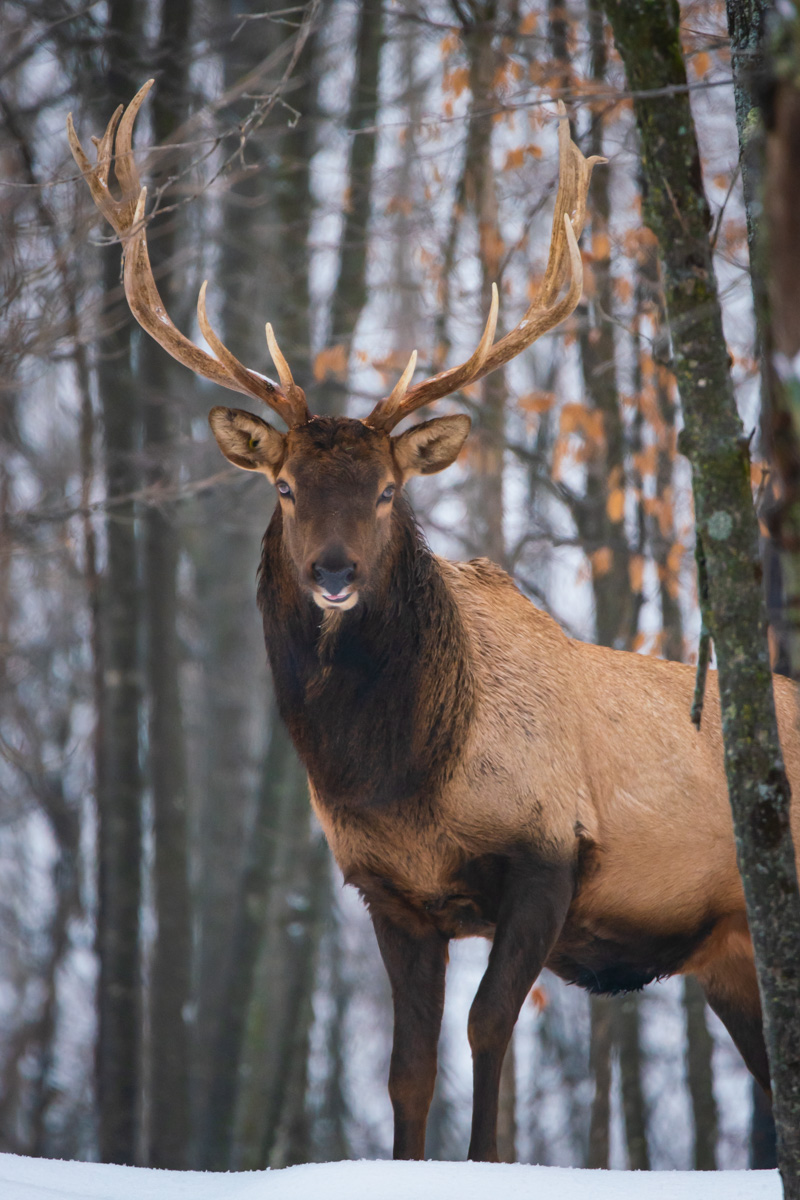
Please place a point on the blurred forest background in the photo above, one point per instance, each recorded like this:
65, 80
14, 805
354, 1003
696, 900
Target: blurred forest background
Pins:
183, 980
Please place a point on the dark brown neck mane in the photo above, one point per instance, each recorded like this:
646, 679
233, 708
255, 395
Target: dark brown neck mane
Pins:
378, 700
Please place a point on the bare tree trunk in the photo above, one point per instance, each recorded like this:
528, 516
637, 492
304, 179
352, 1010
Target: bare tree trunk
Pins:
170, 982
699, 1070
647, 36
120, 780
601, 1041
600, 516
236, 678
279, 1015
227, 1066
242, 1071
634, 1112
480, 193
350, 291
779, 435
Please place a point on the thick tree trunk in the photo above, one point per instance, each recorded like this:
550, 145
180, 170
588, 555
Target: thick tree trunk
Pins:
216, 1147
601, 1043
647, 36
777, 305
170, 980
699, 1053
350, 292
634, 1112
236, 683
242, 1072
780, 443
279, 1013
600, 514
119, 791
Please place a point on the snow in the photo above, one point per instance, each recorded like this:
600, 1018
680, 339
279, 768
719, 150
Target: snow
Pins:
45, 1179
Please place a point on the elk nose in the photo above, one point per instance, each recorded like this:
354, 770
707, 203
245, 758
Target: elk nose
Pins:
334, 582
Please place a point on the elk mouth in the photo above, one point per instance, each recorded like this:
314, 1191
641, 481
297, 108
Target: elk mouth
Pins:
342, 600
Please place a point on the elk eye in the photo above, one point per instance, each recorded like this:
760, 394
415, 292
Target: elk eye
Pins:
386, 494
284, 489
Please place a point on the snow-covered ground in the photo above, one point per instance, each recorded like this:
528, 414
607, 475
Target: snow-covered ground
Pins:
44, 1179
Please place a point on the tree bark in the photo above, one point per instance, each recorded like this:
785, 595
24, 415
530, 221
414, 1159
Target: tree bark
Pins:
350, 291
119, 792
601, 1042
170, 980
486, 501
700, 1075
778, 432
634, 1112
647, 36
280, 822
599, 515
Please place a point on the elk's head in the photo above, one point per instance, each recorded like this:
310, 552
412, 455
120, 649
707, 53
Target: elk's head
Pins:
336, 477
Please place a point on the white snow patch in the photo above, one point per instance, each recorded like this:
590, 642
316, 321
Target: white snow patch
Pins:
46, 1179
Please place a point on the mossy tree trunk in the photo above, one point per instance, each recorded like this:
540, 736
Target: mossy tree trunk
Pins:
647, 36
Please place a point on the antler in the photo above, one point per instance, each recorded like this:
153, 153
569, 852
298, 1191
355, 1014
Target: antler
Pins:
126, 216
574, 174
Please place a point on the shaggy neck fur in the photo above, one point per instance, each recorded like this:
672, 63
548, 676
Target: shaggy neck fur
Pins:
378, 700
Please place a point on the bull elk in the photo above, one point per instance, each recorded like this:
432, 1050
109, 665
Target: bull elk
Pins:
476, 772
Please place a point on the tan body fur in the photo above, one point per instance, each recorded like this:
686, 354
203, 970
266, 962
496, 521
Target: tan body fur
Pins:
574, 743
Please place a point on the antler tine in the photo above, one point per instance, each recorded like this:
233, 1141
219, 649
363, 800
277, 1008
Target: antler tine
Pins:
389, 412
97, 176
127, 217
574, 175
295, 394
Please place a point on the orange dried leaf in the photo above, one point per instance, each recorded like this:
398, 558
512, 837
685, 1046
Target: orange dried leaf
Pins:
615, 505
332, 361
702, 64
602, 561
646, 461
601, 246
528, 23
514, 158
537, 402
456, 81
449, 44
572, 418
636, 572
675, 557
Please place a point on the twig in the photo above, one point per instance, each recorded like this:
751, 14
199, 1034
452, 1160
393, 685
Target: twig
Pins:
704, 649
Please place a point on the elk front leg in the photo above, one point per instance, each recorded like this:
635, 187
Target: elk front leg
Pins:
416, 967
532, 912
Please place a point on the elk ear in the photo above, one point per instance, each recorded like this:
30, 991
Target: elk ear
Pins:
247, 441
430, 447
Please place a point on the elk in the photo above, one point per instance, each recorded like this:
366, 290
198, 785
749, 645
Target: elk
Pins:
476, 772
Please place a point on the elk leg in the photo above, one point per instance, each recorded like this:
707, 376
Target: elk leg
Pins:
731, 989
416, 967
536, 897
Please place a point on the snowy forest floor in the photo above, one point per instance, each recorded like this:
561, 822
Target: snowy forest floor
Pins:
45, 1179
